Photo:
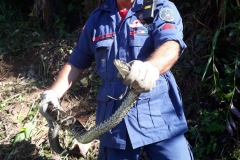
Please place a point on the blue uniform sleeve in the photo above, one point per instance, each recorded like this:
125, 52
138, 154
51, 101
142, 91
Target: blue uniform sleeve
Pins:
82, 55
168, 25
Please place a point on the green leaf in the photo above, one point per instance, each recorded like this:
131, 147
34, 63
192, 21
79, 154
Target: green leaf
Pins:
28, 129
15, 32
212, 52
36, 44
19, 137
238, 25
231, 34
25, 132
228, 70
205, 56
229, 95
237, 72
233, 25
70, 7
198, 70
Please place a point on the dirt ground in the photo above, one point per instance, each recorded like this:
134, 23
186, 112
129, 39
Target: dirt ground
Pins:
23, 78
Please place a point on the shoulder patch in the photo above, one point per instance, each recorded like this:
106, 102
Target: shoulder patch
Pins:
168, 26
166, 14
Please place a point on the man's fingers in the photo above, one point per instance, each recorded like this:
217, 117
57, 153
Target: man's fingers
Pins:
130, 78
119, 75
142, 76
56, 104
43, 109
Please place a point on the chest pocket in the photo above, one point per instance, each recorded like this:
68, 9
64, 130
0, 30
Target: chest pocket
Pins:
102, 49
140, 43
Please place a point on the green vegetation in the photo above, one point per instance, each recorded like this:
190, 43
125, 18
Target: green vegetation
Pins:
17, 35
208, 73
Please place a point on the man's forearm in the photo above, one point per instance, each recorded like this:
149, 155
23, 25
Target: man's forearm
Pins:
68, 75
165, 56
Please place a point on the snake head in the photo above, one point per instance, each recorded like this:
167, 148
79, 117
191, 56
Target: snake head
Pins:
123, 67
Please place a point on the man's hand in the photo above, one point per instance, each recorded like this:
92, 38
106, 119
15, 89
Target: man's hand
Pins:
48, 97
142, 76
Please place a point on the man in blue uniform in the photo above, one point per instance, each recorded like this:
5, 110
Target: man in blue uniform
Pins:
118, 30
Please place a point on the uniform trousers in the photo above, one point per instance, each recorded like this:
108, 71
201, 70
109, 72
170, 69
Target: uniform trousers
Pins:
176, 148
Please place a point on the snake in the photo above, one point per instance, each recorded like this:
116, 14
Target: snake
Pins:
65, 121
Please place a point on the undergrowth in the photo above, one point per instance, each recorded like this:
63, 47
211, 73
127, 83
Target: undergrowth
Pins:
17, 35
208, 75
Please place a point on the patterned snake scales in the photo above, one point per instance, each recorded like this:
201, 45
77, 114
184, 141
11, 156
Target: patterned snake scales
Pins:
65, 121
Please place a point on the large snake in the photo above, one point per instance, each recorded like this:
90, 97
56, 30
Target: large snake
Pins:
65, 121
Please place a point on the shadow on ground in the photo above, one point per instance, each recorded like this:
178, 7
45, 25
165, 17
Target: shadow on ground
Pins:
23, 150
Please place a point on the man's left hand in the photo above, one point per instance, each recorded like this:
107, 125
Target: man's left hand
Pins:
142, 76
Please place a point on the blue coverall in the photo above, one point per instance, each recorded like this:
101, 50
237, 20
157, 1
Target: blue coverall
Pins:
157, 117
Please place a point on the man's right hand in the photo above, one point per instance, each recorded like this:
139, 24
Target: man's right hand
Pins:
48, 97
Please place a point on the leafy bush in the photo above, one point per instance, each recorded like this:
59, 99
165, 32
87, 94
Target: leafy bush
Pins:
16, 34
207, 131
208, 74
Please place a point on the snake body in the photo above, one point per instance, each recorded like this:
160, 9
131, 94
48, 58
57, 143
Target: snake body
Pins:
66, 121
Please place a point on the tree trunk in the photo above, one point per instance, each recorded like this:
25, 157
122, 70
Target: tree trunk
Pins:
47, 9
51, 8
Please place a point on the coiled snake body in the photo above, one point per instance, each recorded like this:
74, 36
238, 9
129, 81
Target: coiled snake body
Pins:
66, 121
